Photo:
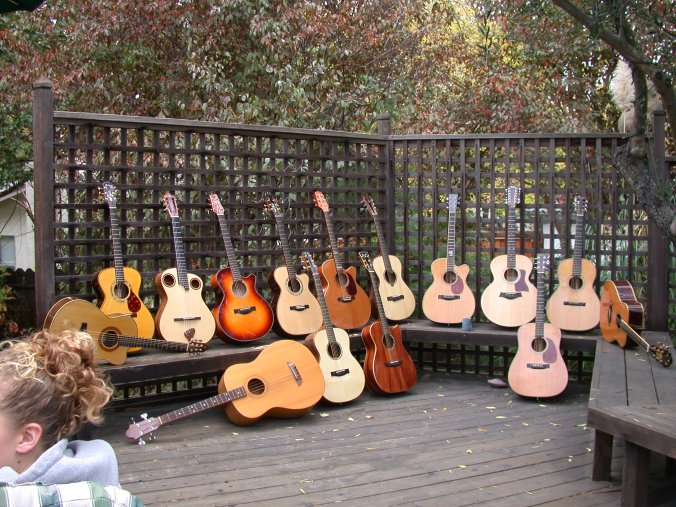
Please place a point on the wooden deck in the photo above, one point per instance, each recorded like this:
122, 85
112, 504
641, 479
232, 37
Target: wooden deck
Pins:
452, 440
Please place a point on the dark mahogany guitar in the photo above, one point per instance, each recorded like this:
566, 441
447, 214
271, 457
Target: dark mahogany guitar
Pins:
388, 366
348, 303
242, 315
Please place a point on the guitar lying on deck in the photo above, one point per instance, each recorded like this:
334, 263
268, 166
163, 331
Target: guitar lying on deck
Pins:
621, 314
296, 308
183, 315
242, 315
388, 366
343, 375
347, 302
574, 306
112, 336
449, 299
396, 297
538, 370
509, 300
117, 288
283, 381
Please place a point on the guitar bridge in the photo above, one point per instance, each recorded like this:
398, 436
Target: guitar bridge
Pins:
294, 371
395, 298
298, 308
340, 373
574, 303
186, 319
245, 311
445, 297
392, 364
345, 299
510, 295
537, 366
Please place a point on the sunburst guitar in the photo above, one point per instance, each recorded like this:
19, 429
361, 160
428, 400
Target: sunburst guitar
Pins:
538, 370
283, 381
112, 336
343, 375
183, 315
449, 299
574, 305
117, 288
509, 300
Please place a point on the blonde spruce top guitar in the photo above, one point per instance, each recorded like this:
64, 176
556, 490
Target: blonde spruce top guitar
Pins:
117, 288
509, 300
575, 306
538, 370
397, 298
112, 336
343, 375
449, 299
296, 308
183, 315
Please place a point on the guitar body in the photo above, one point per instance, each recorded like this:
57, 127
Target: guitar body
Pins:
114, 300
296, 308
344, 378
242, 315
80, 315
182, 315
283, 381
510, 299
449, 299
388, 367
397, 298
619, 300
538, 373
349, 305
574, 305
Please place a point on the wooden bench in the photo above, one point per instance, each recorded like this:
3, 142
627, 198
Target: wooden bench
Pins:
633, 398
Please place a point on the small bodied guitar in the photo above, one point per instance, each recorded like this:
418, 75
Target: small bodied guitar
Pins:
509, 300
621, 314
117, 288
242, 315
183, 315
575, 306
296, 308
344, 378
348, 303
449, 299
113, 336
397, 298
283, 381
538, 370
388, 366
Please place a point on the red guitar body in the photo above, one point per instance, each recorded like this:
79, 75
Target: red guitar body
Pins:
388, 366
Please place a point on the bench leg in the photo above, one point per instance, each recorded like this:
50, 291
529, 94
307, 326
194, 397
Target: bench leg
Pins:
603, 453
635, 475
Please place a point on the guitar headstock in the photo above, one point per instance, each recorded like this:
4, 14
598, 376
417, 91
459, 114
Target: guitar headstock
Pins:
580, 205
513, 196
452, 202
272, 207
661, 353
196, 347
542, 263
109, 194
368, 204
320, 201
145, 426
366, 261
170, 204
216, 205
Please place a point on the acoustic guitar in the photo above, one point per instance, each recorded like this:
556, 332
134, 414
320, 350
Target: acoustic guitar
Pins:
283, 381
112, 336
538, 370
117, 288
344, 378
183, 315
449, 299
388, 367
509, 300
296, 308
574, 305
243, 315
621, 315
396, 297
348, 304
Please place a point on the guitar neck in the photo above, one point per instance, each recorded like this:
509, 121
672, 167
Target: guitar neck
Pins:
334, 244
579, 246
133, 341
379, 303
328, 324
181, 268
383, 245
450, 241
286, 252
201, 406
229, 250
511, 234
540, 311
640, 341
117, 245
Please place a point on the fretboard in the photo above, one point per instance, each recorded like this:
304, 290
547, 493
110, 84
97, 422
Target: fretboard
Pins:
511, 234
117, 246
200, 406
328, 323
450, 241
579, 246
181, 269
284, 240
334, 244
229, 250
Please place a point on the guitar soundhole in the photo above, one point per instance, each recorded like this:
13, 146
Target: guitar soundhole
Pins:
195, 284
294, 286
539, 344
342, 279
511, 275
239, 289
390, 276
121, 290
168, 280
388, 342
256, 386
109, 340
450, 277
575, 283
334, 350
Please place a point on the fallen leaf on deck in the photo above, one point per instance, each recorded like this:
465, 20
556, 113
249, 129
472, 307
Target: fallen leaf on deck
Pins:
469, 451
500, 417
324, 414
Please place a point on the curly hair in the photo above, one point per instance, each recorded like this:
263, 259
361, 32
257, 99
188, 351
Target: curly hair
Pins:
52, 380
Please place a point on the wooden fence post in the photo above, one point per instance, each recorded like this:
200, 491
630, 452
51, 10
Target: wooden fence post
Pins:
43, 178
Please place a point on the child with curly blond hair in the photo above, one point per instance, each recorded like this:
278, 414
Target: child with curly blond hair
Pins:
50, 387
